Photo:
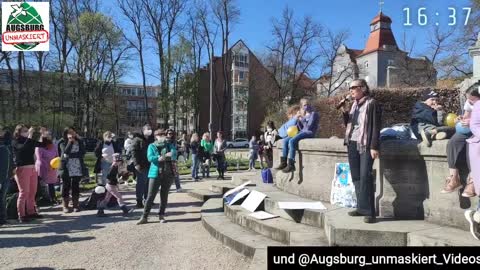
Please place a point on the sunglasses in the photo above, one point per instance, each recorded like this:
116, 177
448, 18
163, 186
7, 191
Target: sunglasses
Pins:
355, 87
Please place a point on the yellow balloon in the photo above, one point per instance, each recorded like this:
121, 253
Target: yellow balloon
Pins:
55, 163
292, 131
450, 120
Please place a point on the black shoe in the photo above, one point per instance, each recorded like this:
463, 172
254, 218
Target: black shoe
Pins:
290, 167
355, 214
369, 219
283, 164
34, 216
101, 213
125, 210
139, 205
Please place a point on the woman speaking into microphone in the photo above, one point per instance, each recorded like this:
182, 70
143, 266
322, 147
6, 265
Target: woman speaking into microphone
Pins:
362, 138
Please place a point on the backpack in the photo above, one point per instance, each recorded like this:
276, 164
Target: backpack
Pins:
90, 203
267, 176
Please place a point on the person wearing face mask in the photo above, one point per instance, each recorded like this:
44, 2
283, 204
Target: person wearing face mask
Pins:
270, 136
104, 153
308, 124
140, 162
72, 151
43, 156
26, 177
6, 163
362, 138
161, 154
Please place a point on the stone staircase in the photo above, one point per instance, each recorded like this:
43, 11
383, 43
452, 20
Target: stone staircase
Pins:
233, 226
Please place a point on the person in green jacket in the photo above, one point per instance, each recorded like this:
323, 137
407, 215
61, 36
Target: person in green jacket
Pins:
207, 146
161, 154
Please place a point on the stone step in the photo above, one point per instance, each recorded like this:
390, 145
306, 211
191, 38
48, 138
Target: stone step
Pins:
343, 230
203, 194
244, 241
278, 229
221, 188
240, 178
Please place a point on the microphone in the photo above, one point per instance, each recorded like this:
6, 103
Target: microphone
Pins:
342, 102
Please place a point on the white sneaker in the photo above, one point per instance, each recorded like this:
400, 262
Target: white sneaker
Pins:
162, 219
470, 216
179, 190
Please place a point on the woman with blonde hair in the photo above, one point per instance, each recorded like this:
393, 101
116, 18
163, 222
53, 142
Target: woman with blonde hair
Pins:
207, 147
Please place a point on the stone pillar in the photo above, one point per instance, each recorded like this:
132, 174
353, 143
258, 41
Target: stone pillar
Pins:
475, 54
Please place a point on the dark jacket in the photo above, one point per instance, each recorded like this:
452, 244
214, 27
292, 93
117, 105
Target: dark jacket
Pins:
24, 151
113, 175
139, 153
310, 124
374, 119
422, 113
98, 154
65, 148
194, 146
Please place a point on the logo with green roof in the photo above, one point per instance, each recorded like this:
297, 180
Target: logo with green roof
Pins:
25, 28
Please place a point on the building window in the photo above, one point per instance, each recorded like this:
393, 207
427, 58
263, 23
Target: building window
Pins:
365, 64
241, 75
391, 62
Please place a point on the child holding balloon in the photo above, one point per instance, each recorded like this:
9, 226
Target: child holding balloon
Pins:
46, 169
307, 124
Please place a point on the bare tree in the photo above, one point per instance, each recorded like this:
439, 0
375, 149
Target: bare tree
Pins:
281, 46
227, 13
329, 49
134, 12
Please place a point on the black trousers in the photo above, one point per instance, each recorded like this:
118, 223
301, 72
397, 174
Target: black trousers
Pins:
457, 151
361, 166
71, 183
163, 182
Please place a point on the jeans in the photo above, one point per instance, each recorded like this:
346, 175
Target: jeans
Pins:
142, 185
105, 165
251, 163
51, 192
195, 164
162, 182
291, 144
4, 181
177, 181
27, 180
362, 178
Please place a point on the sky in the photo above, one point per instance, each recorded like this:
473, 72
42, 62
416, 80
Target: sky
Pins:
254, 27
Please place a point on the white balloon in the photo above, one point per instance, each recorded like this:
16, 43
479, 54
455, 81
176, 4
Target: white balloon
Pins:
100, 190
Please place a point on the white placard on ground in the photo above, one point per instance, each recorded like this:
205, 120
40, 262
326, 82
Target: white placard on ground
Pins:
253, 200
262, 215
238, 196
231, 191
301, 205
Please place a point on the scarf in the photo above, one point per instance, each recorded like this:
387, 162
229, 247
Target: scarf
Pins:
362, 121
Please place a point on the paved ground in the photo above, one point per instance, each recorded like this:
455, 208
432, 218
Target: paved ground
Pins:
83, 241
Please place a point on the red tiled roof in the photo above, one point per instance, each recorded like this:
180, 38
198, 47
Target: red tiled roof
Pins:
381, 18
379, 37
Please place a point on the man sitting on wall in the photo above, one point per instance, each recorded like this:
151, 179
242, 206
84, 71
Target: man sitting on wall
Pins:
307, 124
427, 118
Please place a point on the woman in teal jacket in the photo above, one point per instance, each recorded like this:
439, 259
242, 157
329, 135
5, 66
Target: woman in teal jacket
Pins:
161, 175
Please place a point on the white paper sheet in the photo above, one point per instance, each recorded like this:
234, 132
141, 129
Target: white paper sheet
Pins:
262, 215
231, 191
239, 195
301, 205
253, 200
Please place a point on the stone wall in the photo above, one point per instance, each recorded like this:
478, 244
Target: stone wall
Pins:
409, 179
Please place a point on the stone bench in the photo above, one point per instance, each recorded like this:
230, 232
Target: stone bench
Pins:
409, 178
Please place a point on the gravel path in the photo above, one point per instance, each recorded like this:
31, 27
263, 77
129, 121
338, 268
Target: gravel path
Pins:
84, 241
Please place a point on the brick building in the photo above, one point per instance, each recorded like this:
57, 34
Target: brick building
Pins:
251, 86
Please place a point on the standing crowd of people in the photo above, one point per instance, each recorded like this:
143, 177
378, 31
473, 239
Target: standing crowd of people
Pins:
27, 165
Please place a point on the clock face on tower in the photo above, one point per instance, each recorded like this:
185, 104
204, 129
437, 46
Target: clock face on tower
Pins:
375, 27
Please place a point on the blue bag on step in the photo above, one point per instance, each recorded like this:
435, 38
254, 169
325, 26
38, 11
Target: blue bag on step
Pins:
267, 176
